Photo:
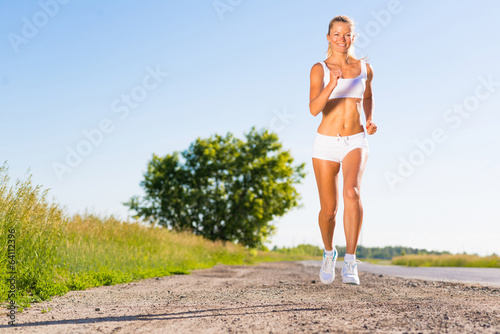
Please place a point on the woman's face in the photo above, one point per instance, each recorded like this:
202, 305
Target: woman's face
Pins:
340, 37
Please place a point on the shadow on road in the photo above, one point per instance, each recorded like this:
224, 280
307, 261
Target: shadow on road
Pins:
247, 310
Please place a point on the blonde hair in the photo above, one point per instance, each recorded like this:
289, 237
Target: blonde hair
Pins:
344, 19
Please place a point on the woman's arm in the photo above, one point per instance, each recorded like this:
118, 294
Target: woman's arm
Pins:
368, 104
318, 97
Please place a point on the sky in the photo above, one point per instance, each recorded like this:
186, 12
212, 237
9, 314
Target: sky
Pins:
89, 90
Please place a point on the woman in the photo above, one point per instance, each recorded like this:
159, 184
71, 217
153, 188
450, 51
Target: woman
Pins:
341, 89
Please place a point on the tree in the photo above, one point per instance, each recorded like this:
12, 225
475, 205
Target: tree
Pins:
225, 189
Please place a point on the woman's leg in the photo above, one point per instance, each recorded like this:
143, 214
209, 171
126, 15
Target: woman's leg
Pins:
326, 173
353, 167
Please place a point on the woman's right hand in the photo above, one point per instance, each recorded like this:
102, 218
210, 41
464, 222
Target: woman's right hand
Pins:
334, 76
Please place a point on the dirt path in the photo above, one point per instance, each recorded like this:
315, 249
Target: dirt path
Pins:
268, 298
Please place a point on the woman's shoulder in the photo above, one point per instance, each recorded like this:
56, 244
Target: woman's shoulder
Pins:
364, 61
369, 67
319, 63
318, 67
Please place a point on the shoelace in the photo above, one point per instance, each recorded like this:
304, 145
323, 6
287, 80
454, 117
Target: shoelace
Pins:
327, 263
344, 138
351, 265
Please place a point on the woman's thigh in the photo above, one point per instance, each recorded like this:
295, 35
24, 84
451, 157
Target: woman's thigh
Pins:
353, 167
326, 173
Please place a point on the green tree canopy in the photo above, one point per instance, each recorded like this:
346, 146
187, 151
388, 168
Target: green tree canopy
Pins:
225, 189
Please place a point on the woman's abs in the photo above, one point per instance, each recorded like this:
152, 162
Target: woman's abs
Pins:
341, 116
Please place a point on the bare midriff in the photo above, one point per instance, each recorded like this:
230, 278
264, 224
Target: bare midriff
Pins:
342, 116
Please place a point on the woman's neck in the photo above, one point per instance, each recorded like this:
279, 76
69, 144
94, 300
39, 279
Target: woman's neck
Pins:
340, 59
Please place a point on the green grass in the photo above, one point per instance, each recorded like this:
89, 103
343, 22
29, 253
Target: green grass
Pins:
448, 260
56, 253
104, 251
273, 256
36, 226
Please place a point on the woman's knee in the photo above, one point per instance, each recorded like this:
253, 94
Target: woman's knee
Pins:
329, 213
351, 194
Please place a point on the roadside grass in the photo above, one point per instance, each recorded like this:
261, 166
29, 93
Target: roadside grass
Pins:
274, 257
448, 260
376, 261
31, 230
301, 250
105, 251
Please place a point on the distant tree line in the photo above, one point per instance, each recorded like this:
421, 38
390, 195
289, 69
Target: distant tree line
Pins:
387, 252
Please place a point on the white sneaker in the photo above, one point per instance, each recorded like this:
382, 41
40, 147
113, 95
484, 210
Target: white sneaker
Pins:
350, 272
327, 272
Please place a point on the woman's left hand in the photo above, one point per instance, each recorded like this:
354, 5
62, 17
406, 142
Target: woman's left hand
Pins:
371, 128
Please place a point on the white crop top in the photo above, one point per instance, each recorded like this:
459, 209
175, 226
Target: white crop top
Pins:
354, 87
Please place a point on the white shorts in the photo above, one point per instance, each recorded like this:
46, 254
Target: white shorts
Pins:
335, 148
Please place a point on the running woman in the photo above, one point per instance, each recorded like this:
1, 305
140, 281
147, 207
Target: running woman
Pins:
341, 90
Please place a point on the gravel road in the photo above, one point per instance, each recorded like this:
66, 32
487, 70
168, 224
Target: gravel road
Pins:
281, 297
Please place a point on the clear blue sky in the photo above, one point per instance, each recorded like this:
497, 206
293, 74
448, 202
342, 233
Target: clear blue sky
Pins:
86, 65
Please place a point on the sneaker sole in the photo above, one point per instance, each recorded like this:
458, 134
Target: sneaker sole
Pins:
326, 282
351, 283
